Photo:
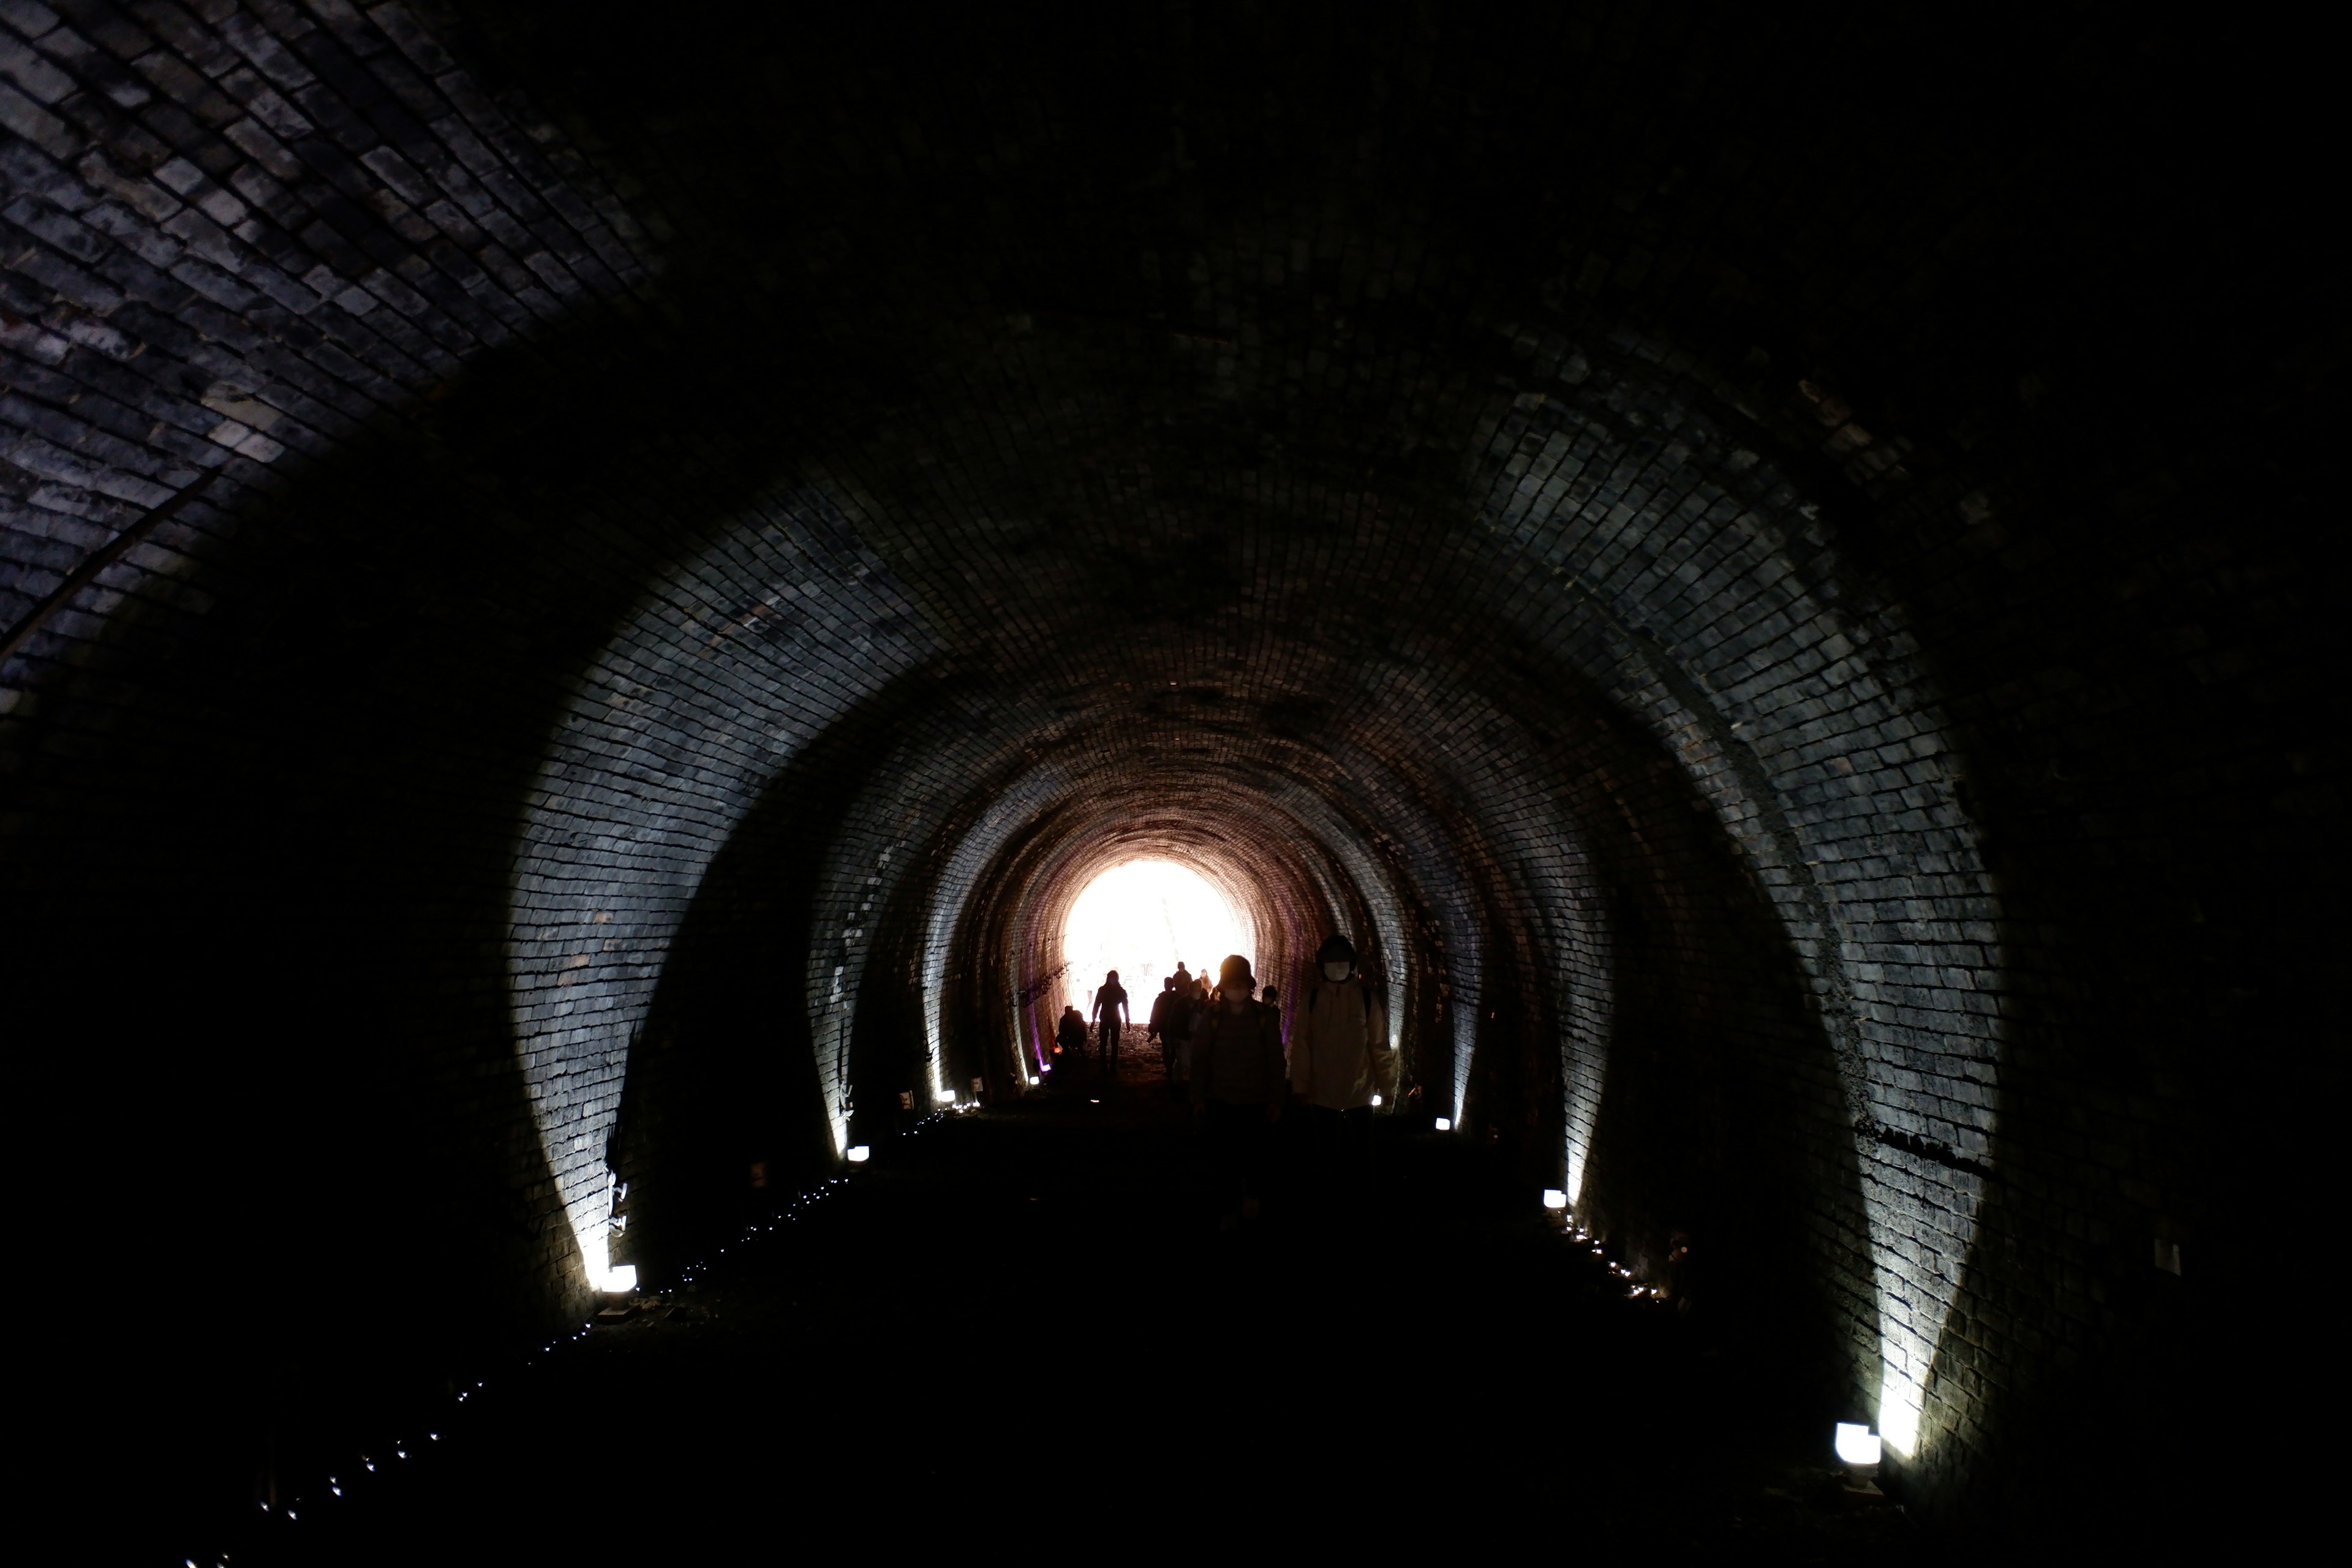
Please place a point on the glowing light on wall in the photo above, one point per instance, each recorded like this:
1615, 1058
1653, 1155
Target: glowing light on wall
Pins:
1143, 919
1855, 1444
1555, 1198
1898, 1410
858, 1154
1446, 1124
596, 1261
1466, 1046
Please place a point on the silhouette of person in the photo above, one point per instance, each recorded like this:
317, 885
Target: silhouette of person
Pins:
1339, 1060
1110, 1012
1163, 1011
1184, 1004
1238, 1083
1069, 1040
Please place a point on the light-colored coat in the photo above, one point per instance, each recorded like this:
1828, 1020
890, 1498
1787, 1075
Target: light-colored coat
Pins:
1339, 1055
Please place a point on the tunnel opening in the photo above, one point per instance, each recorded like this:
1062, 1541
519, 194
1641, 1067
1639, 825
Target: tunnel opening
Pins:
1143, 919
1258, 876
572, 643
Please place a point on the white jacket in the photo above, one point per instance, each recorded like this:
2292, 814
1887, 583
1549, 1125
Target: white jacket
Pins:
1339, 1055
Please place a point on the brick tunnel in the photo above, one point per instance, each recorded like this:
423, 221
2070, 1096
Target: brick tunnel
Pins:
583, 591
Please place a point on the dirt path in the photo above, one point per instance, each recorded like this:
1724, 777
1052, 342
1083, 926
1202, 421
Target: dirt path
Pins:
1037, 1317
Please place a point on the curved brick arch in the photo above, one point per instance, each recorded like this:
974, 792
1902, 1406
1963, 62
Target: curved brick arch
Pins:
1789, 691
1812, 604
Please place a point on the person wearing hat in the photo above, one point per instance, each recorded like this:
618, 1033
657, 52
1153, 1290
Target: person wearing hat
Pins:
1239, 1088
1339, 1062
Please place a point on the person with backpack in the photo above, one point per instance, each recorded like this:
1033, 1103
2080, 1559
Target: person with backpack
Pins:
1339, 1063
1239, 1089
1069, 1040
1176, 1025
1161, 1005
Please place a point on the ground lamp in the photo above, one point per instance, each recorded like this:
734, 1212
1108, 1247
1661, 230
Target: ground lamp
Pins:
1860, 1448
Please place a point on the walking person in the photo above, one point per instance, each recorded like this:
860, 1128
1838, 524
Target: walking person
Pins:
1110, 1012
1162, 1007
1178, 1024
1339, 1063
1238, 1084
1069, 1040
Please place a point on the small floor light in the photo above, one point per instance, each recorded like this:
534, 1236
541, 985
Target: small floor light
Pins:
1860, 1449
1554, 1198
1856, 1445
620, 1280
1446, 1124
858, 1152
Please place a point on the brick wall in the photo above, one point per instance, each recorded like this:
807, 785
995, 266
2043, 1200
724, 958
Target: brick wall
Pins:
1788, 630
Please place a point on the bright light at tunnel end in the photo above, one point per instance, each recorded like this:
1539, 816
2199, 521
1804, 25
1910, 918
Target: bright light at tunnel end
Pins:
1142, 918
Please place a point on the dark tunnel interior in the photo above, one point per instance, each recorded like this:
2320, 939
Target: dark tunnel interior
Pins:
584, 587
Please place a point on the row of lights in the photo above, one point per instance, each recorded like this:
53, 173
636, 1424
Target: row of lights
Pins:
621, 1281
1556, 1200
858, 1154
1854, 1443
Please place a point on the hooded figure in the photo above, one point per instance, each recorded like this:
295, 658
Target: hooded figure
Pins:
1238, 1087
1339, 1055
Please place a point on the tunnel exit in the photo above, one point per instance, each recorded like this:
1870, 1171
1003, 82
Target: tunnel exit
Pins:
1142, 918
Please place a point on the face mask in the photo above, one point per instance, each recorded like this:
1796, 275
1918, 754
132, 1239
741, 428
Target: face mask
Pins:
1337, 971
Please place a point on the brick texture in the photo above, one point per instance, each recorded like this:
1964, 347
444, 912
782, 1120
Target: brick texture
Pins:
1775, 601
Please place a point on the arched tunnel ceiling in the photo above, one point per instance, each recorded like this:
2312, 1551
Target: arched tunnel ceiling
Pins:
1436, 666
1524, 488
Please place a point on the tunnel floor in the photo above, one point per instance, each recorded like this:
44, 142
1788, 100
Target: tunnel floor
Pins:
1036, 1316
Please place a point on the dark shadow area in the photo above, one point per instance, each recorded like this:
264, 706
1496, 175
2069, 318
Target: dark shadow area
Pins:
1214, 308
1723, 1162
722, 1111
955, 1333
268, 826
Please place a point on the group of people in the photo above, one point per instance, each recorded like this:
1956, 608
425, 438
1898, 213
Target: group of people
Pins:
1225, 1044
